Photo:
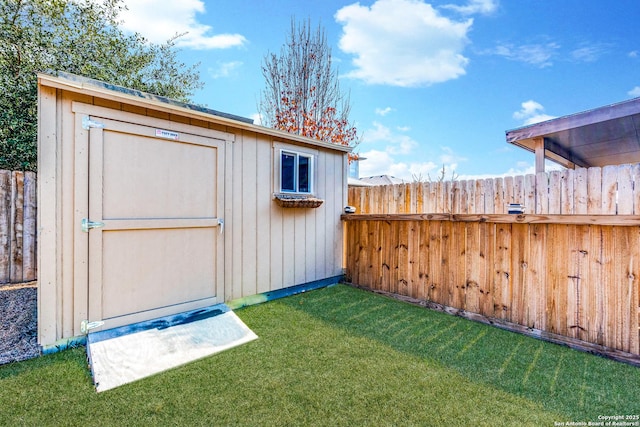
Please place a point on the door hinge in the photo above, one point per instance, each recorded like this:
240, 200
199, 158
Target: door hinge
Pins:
86, 326
87, 224
87, 123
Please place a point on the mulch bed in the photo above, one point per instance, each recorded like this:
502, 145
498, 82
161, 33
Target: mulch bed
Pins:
18, 323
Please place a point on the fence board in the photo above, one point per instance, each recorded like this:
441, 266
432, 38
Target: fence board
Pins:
5, 226
612, 190
572, 280
17, 227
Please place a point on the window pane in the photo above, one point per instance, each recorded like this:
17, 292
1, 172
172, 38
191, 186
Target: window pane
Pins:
304, 174
288, 182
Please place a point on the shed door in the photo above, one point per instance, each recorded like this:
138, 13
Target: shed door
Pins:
155, 199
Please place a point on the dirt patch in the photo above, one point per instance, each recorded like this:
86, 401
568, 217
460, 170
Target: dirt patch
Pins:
18, 323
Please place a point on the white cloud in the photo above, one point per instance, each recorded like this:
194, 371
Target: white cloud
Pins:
633, 54
635, 92
539, 55
531, 112
403, 43
397, 143
590, 53
160, 20
399, 159
383, 111
225, 69
383, 163
484, 7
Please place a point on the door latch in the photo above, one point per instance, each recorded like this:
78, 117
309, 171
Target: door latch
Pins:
86, 326
88, 225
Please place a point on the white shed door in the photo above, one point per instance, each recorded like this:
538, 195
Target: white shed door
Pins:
155, 202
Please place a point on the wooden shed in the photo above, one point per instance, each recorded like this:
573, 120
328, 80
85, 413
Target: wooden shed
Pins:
148, 207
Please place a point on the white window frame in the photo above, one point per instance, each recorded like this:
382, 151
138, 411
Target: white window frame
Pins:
312, 155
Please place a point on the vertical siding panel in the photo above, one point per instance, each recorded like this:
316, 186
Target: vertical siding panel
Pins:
238, 217
48, 260
5, 226
265, 169
325, 265
249, 214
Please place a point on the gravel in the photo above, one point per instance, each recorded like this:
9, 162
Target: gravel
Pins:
18, 324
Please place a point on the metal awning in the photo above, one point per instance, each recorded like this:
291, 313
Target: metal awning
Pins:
603, 136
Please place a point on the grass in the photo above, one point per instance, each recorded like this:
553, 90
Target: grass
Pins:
339, 357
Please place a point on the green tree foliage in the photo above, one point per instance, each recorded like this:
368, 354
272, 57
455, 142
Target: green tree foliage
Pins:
302, 93
81, 37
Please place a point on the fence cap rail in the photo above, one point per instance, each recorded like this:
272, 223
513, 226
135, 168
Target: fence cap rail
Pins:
617, 220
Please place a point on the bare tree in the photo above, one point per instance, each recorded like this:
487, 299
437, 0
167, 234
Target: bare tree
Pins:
302, 93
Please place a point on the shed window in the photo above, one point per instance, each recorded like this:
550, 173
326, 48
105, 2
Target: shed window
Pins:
296, 172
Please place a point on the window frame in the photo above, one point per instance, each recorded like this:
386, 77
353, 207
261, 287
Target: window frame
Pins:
297, 151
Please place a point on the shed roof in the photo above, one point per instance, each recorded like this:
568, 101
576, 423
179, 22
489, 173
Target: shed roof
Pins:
79, 84
603, 136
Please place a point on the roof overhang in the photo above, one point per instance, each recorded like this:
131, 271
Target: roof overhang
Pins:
603, 136
91, 87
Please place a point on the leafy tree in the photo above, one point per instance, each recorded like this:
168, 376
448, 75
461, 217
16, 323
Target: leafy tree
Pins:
302, 93
81, 37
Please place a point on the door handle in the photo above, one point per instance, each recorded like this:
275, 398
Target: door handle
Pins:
221, 225
88, 225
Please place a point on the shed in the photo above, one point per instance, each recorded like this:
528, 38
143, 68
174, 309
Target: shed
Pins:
608, 135
148, 207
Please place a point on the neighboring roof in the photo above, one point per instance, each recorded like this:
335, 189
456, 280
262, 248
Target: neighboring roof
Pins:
382, 180
74, 83
355, 182
603, 136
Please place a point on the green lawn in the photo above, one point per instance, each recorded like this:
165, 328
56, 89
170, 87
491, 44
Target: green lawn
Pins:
339, 357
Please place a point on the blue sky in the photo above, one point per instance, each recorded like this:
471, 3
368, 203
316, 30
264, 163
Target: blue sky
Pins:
432, 83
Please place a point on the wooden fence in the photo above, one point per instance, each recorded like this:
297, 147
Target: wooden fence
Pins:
17, 227
568, 271
611, 190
